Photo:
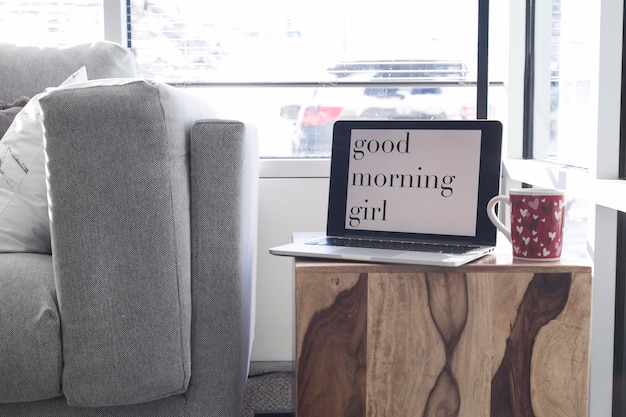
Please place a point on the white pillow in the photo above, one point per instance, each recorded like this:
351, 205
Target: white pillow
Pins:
24, 224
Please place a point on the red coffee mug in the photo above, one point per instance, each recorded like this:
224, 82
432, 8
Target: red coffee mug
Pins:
537, 218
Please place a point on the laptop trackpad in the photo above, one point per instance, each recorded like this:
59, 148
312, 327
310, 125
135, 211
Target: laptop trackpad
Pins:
369, 252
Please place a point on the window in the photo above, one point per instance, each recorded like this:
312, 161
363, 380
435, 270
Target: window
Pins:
561, 103
565, 59
48, 24
295, 69
291, 68
284, 40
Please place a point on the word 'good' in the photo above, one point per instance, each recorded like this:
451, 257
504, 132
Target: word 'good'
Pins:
373, 146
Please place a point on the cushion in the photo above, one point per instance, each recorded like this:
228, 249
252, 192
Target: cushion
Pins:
119, 197
24, 223
30, 342
6, 118
8, 113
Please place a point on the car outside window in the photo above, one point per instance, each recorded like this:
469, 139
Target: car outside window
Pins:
295, 69
290, 68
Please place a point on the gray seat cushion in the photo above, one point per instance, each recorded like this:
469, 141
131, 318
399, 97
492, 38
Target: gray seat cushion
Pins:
30, 337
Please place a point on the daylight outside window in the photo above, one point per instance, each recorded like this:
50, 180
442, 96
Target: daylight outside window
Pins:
564, 107
293, 69
567, 39
46, 23
290, 68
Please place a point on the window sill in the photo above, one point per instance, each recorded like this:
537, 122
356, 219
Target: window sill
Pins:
605, 192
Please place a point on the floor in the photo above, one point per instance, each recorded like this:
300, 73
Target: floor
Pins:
269, 390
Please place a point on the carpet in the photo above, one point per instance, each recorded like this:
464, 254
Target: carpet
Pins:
268, 394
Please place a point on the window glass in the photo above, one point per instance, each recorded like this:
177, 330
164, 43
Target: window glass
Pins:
283, 40
46, 23
576, 242
295, 69
290, 68
566, 56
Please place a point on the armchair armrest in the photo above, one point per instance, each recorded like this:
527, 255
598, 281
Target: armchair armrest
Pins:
224, 199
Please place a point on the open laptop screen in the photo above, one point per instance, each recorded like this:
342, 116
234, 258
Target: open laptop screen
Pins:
418, 180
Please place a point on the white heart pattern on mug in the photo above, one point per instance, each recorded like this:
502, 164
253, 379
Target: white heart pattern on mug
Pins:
538, 222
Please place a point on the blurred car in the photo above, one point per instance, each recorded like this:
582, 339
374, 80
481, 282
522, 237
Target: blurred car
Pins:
386, 97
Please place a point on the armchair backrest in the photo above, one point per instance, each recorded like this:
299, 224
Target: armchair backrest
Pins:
28, 70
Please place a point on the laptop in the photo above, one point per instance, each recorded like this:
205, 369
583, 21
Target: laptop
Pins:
409, 192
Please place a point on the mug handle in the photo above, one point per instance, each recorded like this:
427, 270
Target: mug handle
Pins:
491, 212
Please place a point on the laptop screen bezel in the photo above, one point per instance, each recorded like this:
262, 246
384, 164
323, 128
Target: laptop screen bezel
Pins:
489, 180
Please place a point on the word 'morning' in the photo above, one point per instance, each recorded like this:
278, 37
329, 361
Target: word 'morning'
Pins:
380, 180
375, 145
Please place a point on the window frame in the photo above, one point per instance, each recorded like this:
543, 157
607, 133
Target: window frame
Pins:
619, 349
116, 24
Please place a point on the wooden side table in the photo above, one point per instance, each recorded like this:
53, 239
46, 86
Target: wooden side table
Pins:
492, 338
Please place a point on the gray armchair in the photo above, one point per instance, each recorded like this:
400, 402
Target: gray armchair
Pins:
145, 305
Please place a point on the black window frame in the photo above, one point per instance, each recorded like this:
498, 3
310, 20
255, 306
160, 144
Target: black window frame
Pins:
619, 343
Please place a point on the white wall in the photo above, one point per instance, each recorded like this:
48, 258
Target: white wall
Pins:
286, 205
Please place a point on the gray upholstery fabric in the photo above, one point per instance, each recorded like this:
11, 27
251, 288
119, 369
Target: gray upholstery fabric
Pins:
223, 283
6, 118
106, 272
57, 407
30, 337
224, 198
28, 70
119, 203
224, 184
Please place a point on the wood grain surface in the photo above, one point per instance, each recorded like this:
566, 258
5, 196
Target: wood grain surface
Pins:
381, 342
543, 301
338, 334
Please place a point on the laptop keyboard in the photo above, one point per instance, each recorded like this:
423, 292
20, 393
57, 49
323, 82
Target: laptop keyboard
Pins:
385, 244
